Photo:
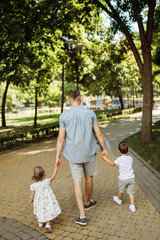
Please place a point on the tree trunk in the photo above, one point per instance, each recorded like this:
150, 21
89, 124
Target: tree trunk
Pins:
120, 98
62, 102
36, 100
4, 104
77, 73
118, 89
133, 99
146, 132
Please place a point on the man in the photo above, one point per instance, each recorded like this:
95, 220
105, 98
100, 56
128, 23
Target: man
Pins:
80, 126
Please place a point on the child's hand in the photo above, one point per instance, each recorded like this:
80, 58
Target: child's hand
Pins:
104, 157
58, 164
107, 160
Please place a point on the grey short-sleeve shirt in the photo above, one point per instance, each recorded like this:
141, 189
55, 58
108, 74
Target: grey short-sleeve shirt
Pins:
80, 143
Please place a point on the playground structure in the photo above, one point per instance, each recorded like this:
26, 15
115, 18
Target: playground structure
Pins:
106, 102
97, 102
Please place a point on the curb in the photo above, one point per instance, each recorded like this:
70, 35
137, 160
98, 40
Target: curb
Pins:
145, 163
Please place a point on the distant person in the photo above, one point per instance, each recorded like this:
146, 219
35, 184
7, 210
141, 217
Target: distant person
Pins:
78, 126
126, 174
46, 206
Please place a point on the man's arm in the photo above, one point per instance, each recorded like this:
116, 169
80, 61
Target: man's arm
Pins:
100, 139
60, 141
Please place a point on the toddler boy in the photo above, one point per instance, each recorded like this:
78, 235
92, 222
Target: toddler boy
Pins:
126, 174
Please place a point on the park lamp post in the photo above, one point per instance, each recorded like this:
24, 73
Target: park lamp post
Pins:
74, 48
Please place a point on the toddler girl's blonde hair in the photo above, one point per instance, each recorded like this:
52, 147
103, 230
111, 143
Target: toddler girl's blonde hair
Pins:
39, 173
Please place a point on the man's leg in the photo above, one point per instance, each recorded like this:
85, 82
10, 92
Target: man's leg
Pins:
88, 188
79, 196
90, 169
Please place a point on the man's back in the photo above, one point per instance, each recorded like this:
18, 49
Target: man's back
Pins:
80, 139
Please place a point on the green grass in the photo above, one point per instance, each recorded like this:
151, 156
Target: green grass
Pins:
21, 121
150, 151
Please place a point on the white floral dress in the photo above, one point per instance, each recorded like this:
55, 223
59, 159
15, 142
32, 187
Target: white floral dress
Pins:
45, 203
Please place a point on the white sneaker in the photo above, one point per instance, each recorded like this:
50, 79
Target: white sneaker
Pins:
132, 208
117, 200
48, 228
40, 224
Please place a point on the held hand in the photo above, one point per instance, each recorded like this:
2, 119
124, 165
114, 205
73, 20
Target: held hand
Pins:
58, 164
104, 155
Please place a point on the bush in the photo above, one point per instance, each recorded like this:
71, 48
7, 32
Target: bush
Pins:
29, 135
26, 135
131, 110
104, 114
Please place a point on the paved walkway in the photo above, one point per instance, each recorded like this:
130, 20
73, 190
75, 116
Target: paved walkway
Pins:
146, 177
106, 221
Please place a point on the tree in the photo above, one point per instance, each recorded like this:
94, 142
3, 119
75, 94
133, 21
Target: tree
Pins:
123, 14
106, 73
131, 78
21, 22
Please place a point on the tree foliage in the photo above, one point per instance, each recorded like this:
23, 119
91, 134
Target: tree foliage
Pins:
31, 31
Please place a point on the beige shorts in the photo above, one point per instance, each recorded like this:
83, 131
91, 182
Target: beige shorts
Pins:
129, 184
89, 168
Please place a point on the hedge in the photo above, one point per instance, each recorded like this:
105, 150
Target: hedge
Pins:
131, 110
108, 113
15, 139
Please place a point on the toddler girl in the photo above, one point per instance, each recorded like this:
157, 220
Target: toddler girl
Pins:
46, 206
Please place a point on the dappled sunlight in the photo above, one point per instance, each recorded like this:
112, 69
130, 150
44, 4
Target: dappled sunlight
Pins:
4, 131
107, 134
103, 126
38, 151
133, 119
131, 132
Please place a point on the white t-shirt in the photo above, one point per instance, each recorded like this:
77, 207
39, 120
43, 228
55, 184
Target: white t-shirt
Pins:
125, 167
